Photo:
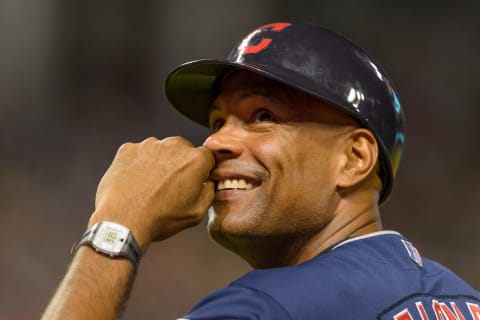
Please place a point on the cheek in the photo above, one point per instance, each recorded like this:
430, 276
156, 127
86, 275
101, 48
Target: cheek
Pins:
277, 152
293, 153
284, 161
301, 168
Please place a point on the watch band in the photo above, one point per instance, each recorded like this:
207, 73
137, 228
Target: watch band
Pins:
111, 239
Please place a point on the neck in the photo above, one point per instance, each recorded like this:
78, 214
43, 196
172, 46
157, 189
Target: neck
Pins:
351, 219
343, 226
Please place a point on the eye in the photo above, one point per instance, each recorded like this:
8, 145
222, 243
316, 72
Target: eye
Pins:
216, 124
264, 115
216, 119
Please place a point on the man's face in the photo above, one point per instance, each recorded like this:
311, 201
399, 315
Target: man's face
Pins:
277, 153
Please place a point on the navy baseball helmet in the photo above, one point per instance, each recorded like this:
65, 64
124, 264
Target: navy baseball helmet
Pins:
311, 59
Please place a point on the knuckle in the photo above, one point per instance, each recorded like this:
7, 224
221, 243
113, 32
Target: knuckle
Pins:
125, 147
171, 139
149, 140
206, 155
176, 140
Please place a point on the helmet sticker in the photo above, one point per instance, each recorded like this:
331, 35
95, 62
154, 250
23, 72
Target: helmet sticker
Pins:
264, 43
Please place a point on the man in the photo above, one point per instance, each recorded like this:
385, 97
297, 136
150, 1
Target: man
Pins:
307, 133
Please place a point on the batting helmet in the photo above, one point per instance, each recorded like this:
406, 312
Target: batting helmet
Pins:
311, 59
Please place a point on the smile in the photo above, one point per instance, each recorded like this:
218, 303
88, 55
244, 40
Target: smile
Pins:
235, 184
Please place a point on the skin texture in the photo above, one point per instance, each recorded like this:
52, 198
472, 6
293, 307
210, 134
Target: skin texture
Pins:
144, 189
314, 178
299, 152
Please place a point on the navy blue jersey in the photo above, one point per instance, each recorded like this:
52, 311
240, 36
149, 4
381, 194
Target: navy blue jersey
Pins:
378, 276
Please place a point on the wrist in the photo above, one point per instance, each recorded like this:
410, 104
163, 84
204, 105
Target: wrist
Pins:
138, 230
111, 239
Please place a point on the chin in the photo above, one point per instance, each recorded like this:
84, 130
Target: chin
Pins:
227, 240
230, 233
237, 224
258, 250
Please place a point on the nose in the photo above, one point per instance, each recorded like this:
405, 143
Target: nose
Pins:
227, 142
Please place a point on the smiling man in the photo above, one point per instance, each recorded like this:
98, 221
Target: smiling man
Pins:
289, 149
307, 134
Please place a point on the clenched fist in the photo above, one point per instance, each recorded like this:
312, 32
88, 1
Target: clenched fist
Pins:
156, 188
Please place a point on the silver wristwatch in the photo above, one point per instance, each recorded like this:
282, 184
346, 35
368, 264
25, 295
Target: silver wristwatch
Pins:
111, 239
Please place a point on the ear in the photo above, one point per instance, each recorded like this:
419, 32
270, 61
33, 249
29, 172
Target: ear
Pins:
358, 159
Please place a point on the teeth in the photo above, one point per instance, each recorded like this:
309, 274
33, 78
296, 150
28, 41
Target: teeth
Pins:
234, 184
242, 184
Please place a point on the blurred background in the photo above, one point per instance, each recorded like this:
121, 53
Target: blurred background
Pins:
79, 78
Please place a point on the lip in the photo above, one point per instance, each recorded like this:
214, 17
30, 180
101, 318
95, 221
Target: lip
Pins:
230, 194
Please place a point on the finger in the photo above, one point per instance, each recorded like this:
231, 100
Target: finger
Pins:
208, 156
207, 195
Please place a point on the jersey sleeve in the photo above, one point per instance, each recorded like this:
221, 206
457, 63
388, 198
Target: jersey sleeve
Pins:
237, 303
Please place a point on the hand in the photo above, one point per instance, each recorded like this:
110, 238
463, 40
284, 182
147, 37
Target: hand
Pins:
156, 188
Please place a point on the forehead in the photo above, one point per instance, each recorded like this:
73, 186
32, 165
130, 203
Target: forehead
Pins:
241, 84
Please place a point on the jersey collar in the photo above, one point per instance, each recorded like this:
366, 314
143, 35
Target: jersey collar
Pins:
365, 236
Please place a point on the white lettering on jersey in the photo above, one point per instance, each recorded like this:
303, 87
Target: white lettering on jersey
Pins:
441, 310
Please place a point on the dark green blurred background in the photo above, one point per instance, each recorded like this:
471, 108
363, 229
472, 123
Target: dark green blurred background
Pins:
79, 78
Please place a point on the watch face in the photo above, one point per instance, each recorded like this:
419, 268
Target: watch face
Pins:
110, 238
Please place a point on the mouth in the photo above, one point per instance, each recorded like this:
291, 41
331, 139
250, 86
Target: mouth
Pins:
235, 184
232, 181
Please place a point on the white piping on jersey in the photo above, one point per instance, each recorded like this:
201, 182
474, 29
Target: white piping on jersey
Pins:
373, 234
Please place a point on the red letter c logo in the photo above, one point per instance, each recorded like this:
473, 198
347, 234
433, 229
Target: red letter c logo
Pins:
265, 42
